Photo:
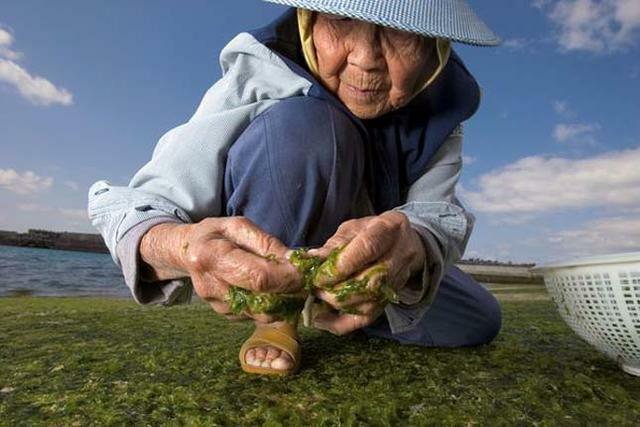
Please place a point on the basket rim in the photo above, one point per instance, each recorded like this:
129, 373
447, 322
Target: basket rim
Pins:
618, 258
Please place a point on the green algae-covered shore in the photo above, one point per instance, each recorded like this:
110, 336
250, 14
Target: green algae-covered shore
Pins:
75, 361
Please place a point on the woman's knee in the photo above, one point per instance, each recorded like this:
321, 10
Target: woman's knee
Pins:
463, 314
296, 170
490, 315
484, 315
300, 134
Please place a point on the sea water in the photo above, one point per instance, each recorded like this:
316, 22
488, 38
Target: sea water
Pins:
46, 272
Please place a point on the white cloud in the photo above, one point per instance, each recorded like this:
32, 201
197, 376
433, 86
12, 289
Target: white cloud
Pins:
538, 184
601, 236
540, 4
72, 185
515, 43
576, 132
6, 40
560, 107
469, 160
593, 25
24, 183
36, 89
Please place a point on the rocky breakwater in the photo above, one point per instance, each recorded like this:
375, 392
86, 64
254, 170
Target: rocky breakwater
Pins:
54, 240
502, 274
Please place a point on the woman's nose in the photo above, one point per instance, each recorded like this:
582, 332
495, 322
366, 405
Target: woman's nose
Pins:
366, 51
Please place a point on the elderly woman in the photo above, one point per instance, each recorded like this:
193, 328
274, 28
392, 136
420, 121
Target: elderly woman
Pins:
336, 127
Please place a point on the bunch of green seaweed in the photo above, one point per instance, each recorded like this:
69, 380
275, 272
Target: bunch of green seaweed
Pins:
312, 269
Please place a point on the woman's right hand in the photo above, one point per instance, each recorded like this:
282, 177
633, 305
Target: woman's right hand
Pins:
217, 253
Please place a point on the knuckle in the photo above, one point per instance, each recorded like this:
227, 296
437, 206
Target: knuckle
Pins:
347, 225
196, 262
394, 221
208, 224
369, 245
240, 221
269, 242
259, 280
234, 223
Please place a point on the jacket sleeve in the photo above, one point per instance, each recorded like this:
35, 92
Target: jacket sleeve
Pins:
123, 215
443, 224
183, 181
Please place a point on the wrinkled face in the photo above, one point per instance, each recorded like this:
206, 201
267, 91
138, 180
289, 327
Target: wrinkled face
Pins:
370, 68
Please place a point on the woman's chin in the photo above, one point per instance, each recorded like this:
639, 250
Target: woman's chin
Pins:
366, 110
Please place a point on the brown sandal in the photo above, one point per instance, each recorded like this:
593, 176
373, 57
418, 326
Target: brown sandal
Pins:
282, 337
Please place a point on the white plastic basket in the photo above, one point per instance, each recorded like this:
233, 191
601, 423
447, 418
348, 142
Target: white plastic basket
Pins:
599, 298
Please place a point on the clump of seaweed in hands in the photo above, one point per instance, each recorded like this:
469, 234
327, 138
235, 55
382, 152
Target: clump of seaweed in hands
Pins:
289, 307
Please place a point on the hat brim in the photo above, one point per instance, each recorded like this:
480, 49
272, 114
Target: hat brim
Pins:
449, 19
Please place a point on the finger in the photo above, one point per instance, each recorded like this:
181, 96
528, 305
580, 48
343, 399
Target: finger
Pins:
264, 318
220, 307
236, 318
398, 266
223, 307
331, 299
238, 267
334, 243
363, 288
365, 249
340, 324
345, 233
364, 309
210, 288
247, 235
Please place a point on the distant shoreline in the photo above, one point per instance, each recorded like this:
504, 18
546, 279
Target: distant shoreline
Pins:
44, 239
482, 270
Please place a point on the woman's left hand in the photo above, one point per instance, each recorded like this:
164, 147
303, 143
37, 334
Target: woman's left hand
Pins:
384, 249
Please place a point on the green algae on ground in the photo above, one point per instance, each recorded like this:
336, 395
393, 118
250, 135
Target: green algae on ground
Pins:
79, 361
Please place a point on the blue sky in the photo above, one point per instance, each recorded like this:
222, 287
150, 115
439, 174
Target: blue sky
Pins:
552, 158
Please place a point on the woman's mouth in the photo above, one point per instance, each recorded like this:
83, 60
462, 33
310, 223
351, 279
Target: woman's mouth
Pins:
363, 94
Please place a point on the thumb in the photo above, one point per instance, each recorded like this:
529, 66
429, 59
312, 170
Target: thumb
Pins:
248, 236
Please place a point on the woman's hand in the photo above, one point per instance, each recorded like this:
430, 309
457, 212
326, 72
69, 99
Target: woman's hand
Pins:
217, 253
379, 251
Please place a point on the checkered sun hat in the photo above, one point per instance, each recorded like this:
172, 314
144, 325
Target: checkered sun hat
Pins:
448, 19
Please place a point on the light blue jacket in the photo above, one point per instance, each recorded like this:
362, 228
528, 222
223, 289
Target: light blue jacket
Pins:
183, 181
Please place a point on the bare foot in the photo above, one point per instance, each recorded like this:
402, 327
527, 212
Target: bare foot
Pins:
269, 357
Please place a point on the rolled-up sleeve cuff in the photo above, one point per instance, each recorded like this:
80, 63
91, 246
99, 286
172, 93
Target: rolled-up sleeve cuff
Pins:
168, 292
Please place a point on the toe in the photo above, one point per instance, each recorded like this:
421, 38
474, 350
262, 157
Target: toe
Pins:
250, 356
261, 353
269, 357
272, 353
282, 363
